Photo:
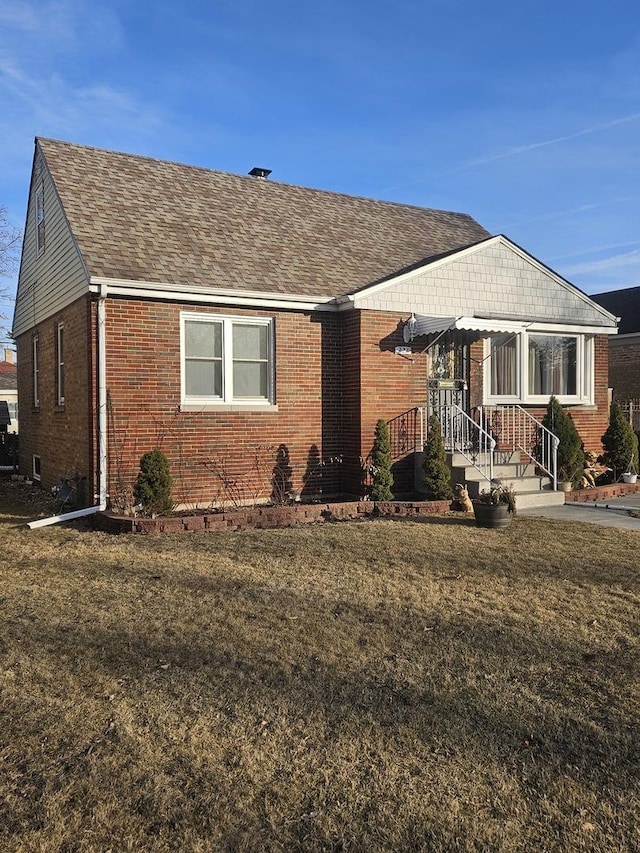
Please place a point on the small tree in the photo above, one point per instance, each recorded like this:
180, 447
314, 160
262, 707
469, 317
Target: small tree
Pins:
437, 475
620, 443
153, 485
381, 464
570, 453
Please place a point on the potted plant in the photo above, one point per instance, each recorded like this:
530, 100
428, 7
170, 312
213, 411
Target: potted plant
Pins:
631, 474
495, 507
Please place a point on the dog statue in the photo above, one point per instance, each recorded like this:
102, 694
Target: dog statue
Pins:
462, 496
590, 470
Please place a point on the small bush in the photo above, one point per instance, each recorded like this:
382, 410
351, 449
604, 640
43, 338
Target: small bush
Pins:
570, 452
381, 465
620, 444
153, 485
437, 475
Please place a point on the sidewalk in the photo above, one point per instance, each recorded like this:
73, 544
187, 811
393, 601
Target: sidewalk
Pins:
594, 513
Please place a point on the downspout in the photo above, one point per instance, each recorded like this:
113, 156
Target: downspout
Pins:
102, 428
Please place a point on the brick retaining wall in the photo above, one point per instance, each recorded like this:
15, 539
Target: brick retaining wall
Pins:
270, 516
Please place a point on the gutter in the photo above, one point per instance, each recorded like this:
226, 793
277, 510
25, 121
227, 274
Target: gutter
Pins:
102, 428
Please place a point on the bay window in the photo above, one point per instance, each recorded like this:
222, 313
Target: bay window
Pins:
226, 360
531, 366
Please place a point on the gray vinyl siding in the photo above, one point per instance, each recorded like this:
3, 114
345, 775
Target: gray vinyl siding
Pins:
495, 280
54, 279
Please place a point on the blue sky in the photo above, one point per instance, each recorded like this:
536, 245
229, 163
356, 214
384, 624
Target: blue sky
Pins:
524, 114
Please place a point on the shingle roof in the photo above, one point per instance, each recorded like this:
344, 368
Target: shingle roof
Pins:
624, 304
143, 219
8, 381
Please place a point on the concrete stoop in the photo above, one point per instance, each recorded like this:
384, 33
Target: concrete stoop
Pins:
532, 491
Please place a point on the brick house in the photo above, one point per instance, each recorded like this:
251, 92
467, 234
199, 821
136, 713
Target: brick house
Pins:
256, 331
624, 348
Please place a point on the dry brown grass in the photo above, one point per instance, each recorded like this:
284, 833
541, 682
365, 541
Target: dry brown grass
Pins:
373, 686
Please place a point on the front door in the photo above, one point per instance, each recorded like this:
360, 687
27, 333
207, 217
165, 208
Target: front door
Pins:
447, 384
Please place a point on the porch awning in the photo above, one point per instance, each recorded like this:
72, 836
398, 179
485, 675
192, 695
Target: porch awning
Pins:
420, 324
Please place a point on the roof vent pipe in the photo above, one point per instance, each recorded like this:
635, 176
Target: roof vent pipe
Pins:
261, 174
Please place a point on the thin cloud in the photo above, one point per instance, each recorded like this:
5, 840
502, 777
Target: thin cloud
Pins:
592, 250
583, 208
519, 150
625, 259
524, 149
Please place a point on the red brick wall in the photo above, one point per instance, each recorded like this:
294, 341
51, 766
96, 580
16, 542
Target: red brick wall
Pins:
61, 436
336, 374
389, 384
624, 368
204, 448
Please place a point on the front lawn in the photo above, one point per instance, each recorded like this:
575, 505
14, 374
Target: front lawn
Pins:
385, 685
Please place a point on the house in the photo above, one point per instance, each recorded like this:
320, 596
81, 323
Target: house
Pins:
9, 387
624, 348
8, 408
256, 331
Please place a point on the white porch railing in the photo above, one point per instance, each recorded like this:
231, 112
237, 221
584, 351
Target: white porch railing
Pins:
498, 429
461, 434
515, 429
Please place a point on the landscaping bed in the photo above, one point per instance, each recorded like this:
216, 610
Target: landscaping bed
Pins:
263, 517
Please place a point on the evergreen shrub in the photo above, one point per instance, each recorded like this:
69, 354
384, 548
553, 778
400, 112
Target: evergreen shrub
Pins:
620, 444
381, 464
437, 474
153, 484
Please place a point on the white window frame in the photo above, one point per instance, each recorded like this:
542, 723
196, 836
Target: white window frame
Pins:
60, 365
585, 369
40, 220
36, 371
227, 401
36, 469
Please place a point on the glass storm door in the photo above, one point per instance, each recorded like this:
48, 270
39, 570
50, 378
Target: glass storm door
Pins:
447, 383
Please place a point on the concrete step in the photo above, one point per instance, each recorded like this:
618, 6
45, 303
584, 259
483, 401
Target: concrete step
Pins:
532, 500
500, 472
518, 484
503, 457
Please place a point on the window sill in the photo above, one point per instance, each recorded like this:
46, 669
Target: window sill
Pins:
542, 401
266, 408
59, 407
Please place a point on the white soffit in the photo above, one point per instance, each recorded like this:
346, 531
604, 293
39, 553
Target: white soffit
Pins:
419, 324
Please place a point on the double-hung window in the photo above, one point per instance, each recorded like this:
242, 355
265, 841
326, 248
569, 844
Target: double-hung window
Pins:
530, 366
226, 360
60, 364
36, 370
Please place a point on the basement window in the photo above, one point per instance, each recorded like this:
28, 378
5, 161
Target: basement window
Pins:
36, 468
226, 361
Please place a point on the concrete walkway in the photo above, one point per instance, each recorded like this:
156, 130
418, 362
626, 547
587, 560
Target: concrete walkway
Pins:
594, 513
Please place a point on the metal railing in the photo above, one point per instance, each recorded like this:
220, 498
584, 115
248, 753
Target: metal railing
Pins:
515, 429
462, 434
403, 433
631, 411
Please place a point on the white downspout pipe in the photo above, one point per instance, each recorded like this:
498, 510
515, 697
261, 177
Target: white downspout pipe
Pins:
102, 428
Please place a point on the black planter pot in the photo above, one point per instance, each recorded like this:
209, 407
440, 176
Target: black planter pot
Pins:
495, 516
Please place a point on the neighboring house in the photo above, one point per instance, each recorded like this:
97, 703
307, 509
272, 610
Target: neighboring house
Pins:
9, 387
624, 349
251, 328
